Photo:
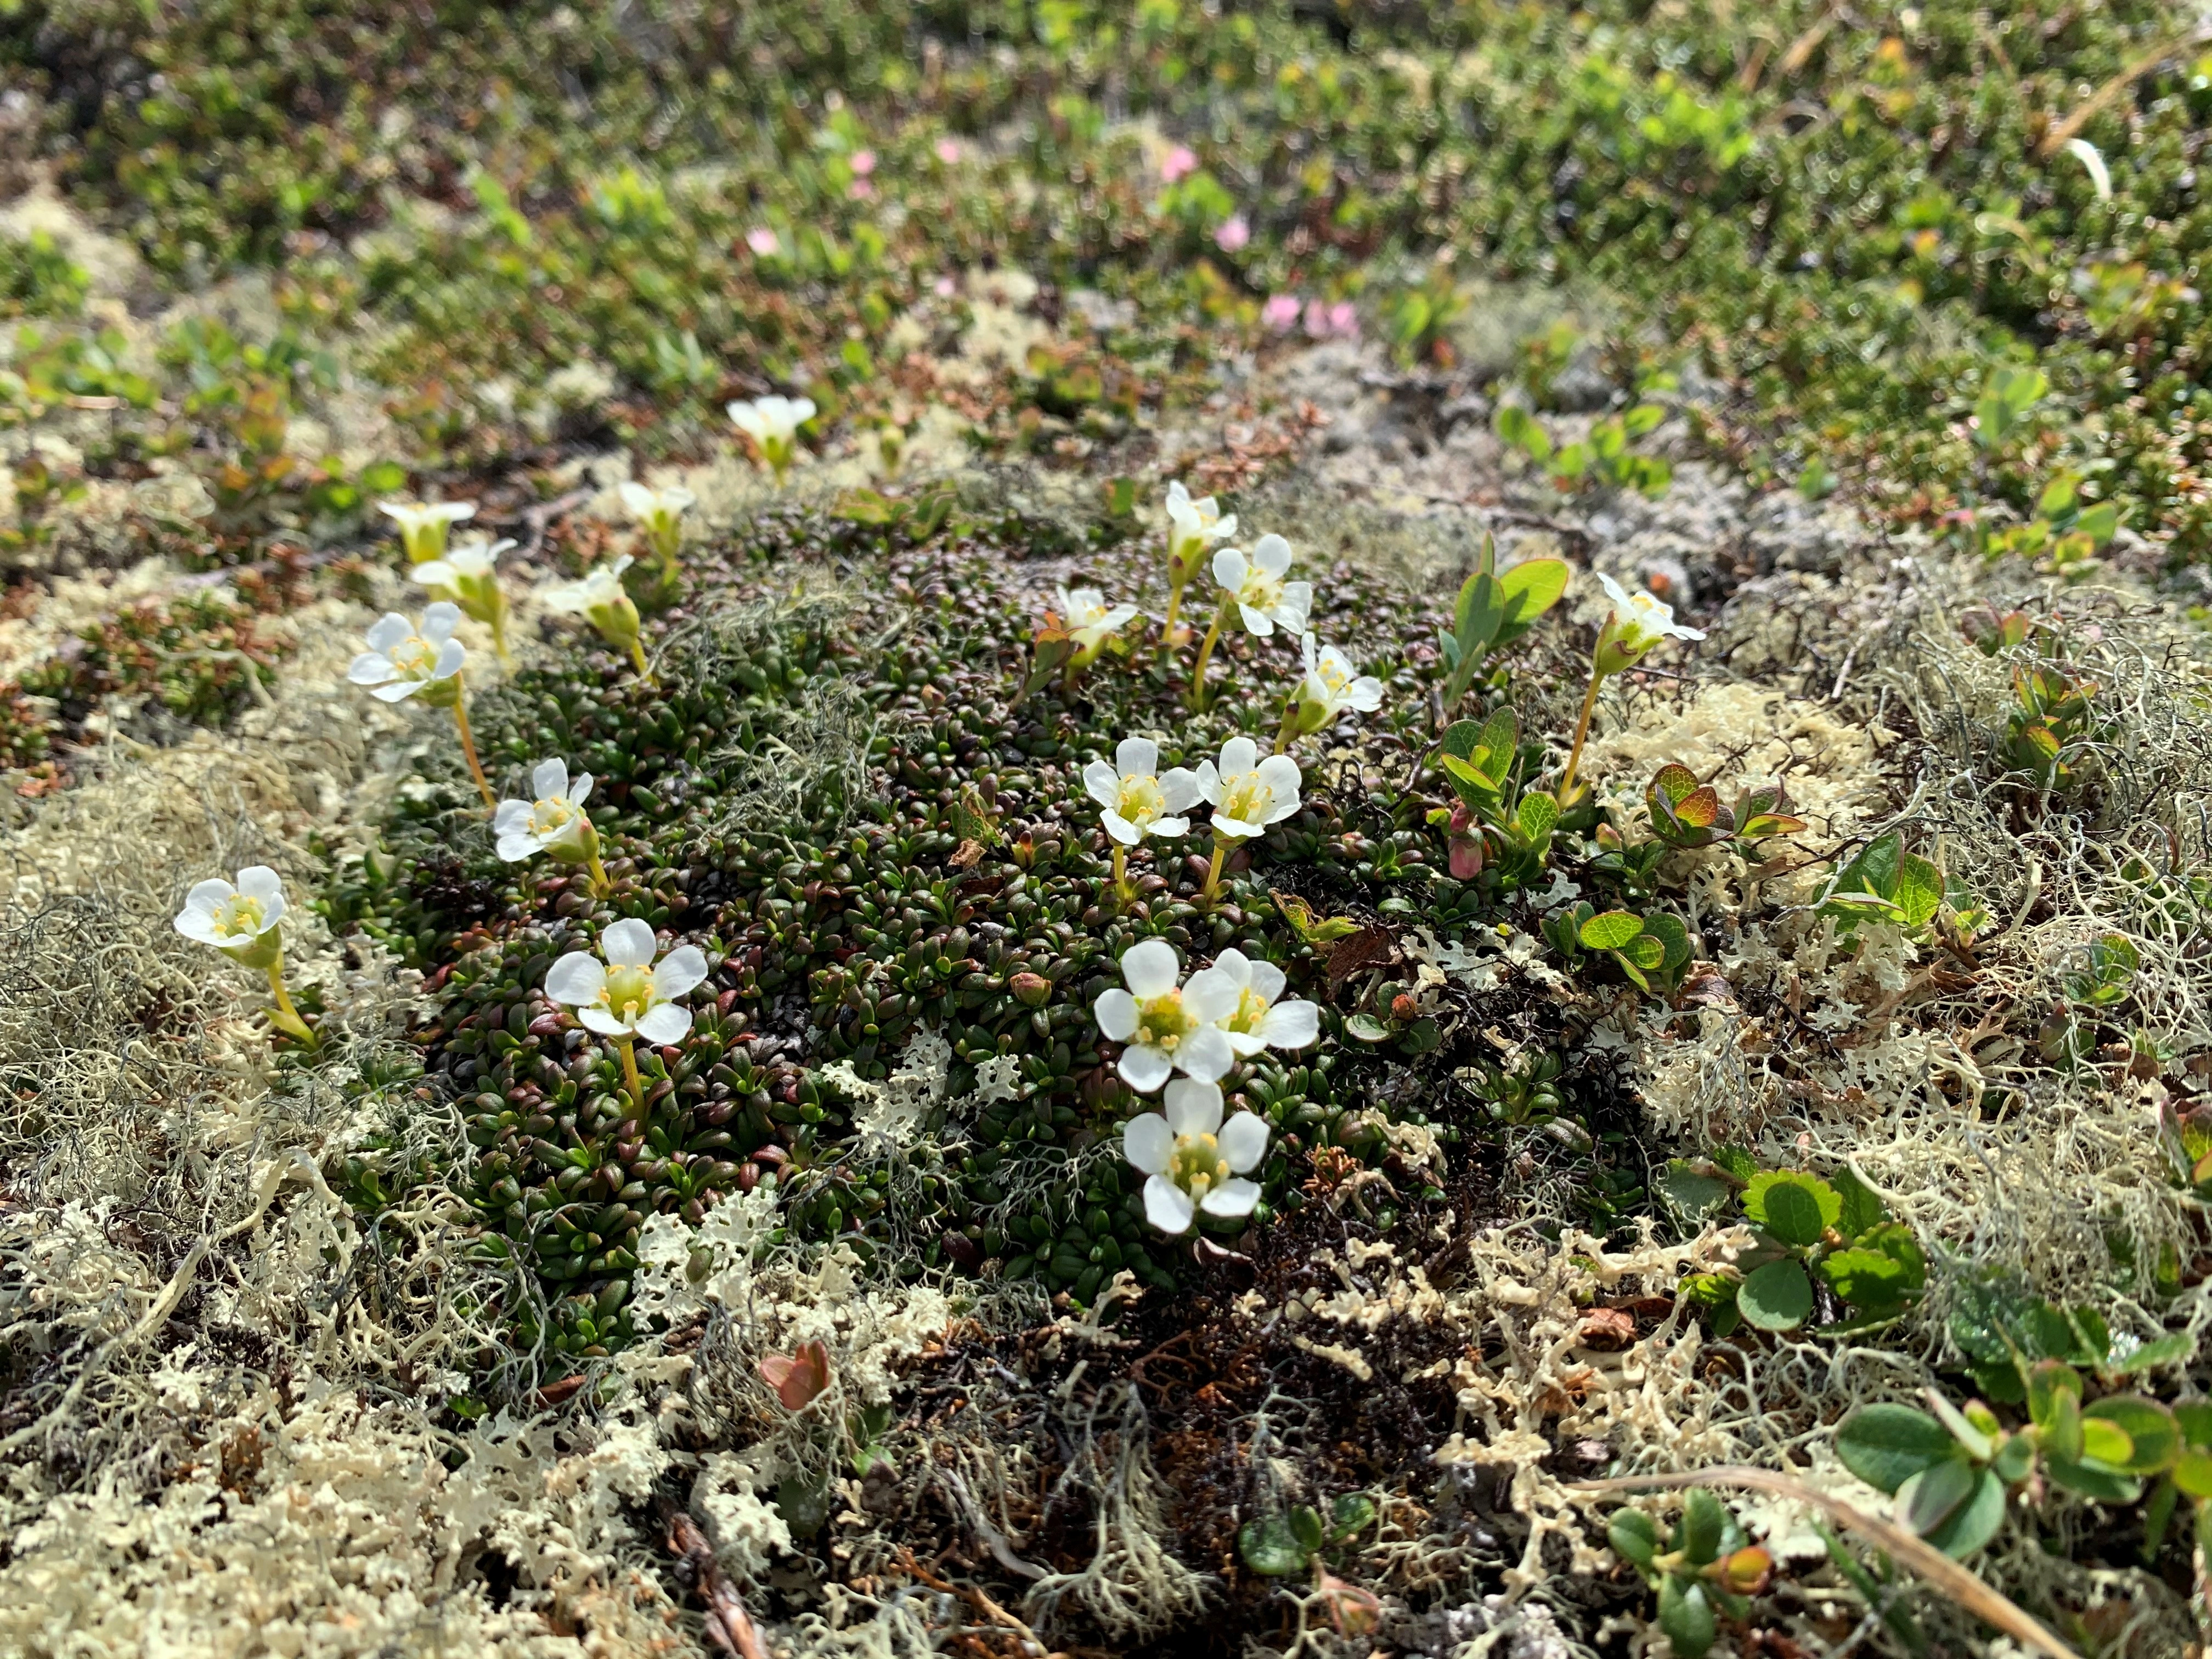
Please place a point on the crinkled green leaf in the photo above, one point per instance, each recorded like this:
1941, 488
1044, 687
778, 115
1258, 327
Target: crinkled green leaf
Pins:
1795, 1207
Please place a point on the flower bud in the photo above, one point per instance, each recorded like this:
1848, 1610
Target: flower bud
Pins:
1030, 990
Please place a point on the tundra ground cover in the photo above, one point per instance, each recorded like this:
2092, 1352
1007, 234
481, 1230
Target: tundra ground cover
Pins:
1104, 828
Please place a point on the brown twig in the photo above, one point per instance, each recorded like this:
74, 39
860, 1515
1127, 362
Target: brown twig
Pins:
1995, 1610
976, 1598
729, 1626
2104, 96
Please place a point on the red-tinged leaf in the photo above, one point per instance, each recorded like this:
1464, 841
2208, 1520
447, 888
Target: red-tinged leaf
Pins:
1700, 808
1675, 781
799, 1378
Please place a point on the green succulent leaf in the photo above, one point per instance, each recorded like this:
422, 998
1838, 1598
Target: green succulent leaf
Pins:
1635, 1538
1687, 1616
1704, 1523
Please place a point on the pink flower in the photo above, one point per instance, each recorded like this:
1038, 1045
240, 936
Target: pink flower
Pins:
859, 190
1317, 319
1344, 319
1281, 312
763, 243
1180, 161
946, 287
949, 151
1233, 234
864, 162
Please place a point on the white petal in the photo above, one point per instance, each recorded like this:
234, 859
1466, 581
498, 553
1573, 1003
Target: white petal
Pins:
1223, 528
1149, 967
580, 788
1102, 783
1167, 1206
440, 620
1193, 1108
1147, 1142
1209, 782
1115, 1011
513, 818
664, 1024
802, 410
395, 690
680, 973
1121, 829
1239, 755
1210, 995
1364, 694
1279, 774
1297, 599
577, 977
549, 778
1272, 553
515, 847
1613, 592
1309, 652
1243, 1141
1179, 789
199, 927
628, 943
1174, 826
1244, 1043
597, 1017
1290, 1025
438, 573
1232, 1199
1255, 622
388, 630
1178, 494
207, 895
1263, 976
1145, 1069
260, 881
1136, 757
1228, 568
370, 668
451, 655
636, 497
1205, 1053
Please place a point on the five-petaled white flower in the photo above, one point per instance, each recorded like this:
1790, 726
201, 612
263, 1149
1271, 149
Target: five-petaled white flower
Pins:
1091, 622
1137, 801
1193, 525
1264, 600
555, 822
1259, 1019
629, 996
241, 922
1196, 1162
1639, 622
468, 576
600, 599
773, 424
1165, 1029
1332, 685
1247, 794
660, 512
403, 661
422, 527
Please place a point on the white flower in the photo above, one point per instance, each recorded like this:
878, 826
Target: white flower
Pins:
402, 662
1138, 803
599, 598
1264, 600
1165, 1029
1194, 1160
1091, 622
773, 424
469, 577
1329, 687
423, 528
660, 511
1192, 527
241, 922
555, 822
1639, 621
1247, 794
1259, 1021
635, 997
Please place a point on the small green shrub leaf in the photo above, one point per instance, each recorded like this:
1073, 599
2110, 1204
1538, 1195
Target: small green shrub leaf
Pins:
1777, 1296
1795, 1207
1886, 1445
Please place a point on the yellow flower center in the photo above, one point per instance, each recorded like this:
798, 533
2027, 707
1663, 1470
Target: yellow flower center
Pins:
1196, 1166
1332, 675
628, 994
1246, 798
1259, 590
1251, 1009
415, 658
1162, 1023
1139, 800
550, 817
239, 917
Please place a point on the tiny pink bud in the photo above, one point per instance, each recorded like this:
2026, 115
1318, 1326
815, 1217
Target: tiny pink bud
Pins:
763, 243
1233, 234
1280, 312
1180, 161
949, 151
864, 162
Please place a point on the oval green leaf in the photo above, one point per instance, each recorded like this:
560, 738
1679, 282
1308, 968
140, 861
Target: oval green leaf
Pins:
1777, 1296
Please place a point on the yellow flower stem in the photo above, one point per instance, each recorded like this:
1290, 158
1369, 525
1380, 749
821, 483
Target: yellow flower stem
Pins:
285, 1017
499, 638
1582, 733
600, 884
1205, 654
1121, 872
637, 656
1168, 628
1283, 737
630, 1073
468, 746
1213, 888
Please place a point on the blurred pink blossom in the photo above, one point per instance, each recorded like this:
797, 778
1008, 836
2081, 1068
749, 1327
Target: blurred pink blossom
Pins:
1344, 319
946, 287
1281, 312
859, 190
1180, 161
864, 162
1233, 234
762, 241
949, 151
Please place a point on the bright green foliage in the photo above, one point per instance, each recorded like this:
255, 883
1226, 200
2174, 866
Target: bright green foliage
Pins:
1605, 458
1884, 883
1289, 1542
1492, 612
1810, 1234
1705, 1569
1648, 949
